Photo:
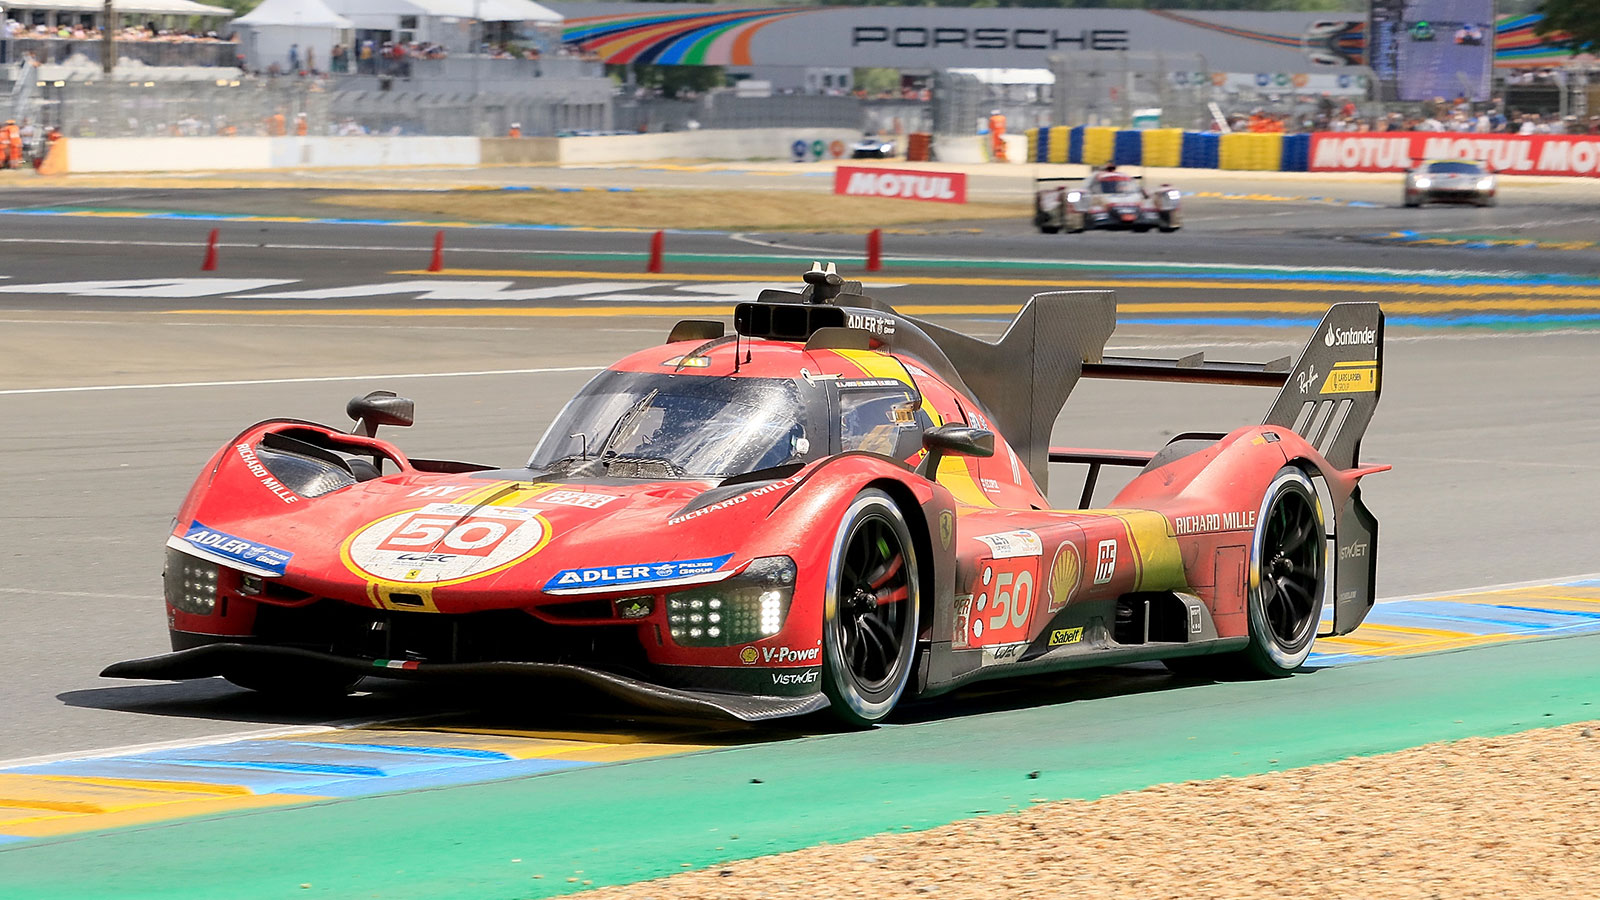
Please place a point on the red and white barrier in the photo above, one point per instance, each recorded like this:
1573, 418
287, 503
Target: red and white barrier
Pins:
903, 184
1512, 154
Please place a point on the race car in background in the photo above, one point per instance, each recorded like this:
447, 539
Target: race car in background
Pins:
872, 147
1450, 181
1107, 198
834, 507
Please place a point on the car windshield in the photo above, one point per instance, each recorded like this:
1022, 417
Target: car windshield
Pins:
1455, 168
1119, 185
681, 425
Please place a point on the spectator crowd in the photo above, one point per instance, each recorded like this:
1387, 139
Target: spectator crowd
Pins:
88, 32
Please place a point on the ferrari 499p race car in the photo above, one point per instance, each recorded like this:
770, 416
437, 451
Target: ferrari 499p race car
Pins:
1450, 181
836, 506
1105, 199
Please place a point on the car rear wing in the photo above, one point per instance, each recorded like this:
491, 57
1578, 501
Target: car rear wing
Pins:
1327, 396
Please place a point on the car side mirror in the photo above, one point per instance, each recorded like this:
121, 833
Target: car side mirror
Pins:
380, 408
954, 440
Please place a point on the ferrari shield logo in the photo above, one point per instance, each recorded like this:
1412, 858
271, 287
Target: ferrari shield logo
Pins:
946, 525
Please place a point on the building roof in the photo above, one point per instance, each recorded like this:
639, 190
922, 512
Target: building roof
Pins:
300, 13
142, 7
482, 10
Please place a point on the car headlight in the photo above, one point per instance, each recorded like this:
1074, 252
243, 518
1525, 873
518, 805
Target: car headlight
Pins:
747, 607
190, 584
1485, 184
1423, 182
1074, 196
1173, 195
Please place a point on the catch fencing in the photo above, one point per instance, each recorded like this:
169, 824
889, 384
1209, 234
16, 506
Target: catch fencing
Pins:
234, 106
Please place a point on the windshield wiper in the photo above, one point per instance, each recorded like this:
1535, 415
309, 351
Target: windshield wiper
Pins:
626, 419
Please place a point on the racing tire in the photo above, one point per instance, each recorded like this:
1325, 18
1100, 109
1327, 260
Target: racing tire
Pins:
1288, 568
1412, 204
1167, 226
1489, 201
1049, 229
870, 611
300, 684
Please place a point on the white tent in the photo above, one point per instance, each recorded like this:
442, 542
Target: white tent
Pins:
492, 10
139, 7
268, 32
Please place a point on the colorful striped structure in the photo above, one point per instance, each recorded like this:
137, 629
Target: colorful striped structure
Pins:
1169, 148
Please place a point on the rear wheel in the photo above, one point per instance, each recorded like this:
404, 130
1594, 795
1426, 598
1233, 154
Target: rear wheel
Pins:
871, 610
1287, 566
1286, 575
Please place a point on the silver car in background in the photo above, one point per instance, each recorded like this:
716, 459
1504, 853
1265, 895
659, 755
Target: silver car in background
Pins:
1450, 181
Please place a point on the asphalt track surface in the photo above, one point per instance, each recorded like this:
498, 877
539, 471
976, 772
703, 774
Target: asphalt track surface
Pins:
1491, 428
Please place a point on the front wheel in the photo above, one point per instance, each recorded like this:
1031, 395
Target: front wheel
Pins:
870, 616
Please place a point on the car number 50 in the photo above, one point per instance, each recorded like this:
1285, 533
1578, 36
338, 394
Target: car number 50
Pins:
1012, 606
427, 532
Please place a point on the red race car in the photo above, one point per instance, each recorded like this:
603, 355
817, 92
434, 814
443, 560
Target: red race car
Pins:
836, 506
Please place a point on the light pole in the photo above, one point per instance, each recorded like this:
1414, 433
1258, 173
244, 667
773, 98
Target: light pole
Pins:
108, 40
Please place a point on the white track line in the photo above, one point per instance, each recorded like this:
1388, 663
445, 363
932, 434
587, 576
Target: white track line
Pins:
743, 237
93, 595
183, 744
254, 381
1488, 588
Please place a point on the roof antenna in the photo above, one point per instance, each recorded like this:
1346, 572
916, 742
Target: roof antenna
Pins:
736, 350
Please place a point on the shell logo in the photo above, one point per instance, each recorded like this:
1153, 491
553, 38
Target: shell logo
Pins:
748, 655
1064, 575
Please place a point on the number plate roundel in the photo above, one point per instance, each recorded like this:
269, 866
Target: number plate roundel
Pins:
443, 543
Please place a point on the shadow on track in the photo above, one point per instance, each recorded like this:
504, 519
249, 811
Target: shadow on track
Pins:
498, 708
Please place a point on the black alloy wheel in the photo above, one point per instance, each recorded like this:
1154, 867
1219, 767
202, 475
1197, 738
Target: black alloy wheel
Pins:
871, 614
1288, 569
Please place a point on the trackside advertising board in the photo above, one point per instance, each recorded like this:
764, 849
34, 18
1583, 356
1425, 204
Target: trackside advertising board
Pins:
1514, 154
904, 184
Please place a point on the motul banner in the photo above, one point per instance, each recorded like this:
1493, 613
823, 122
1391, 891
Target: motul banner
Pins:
1516, 154
905, 184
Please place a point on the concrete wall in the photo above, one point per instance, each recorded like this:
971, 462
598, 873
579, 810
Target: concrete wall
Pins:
159, 154
201, 154
744, 143
503, 151
332, 152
